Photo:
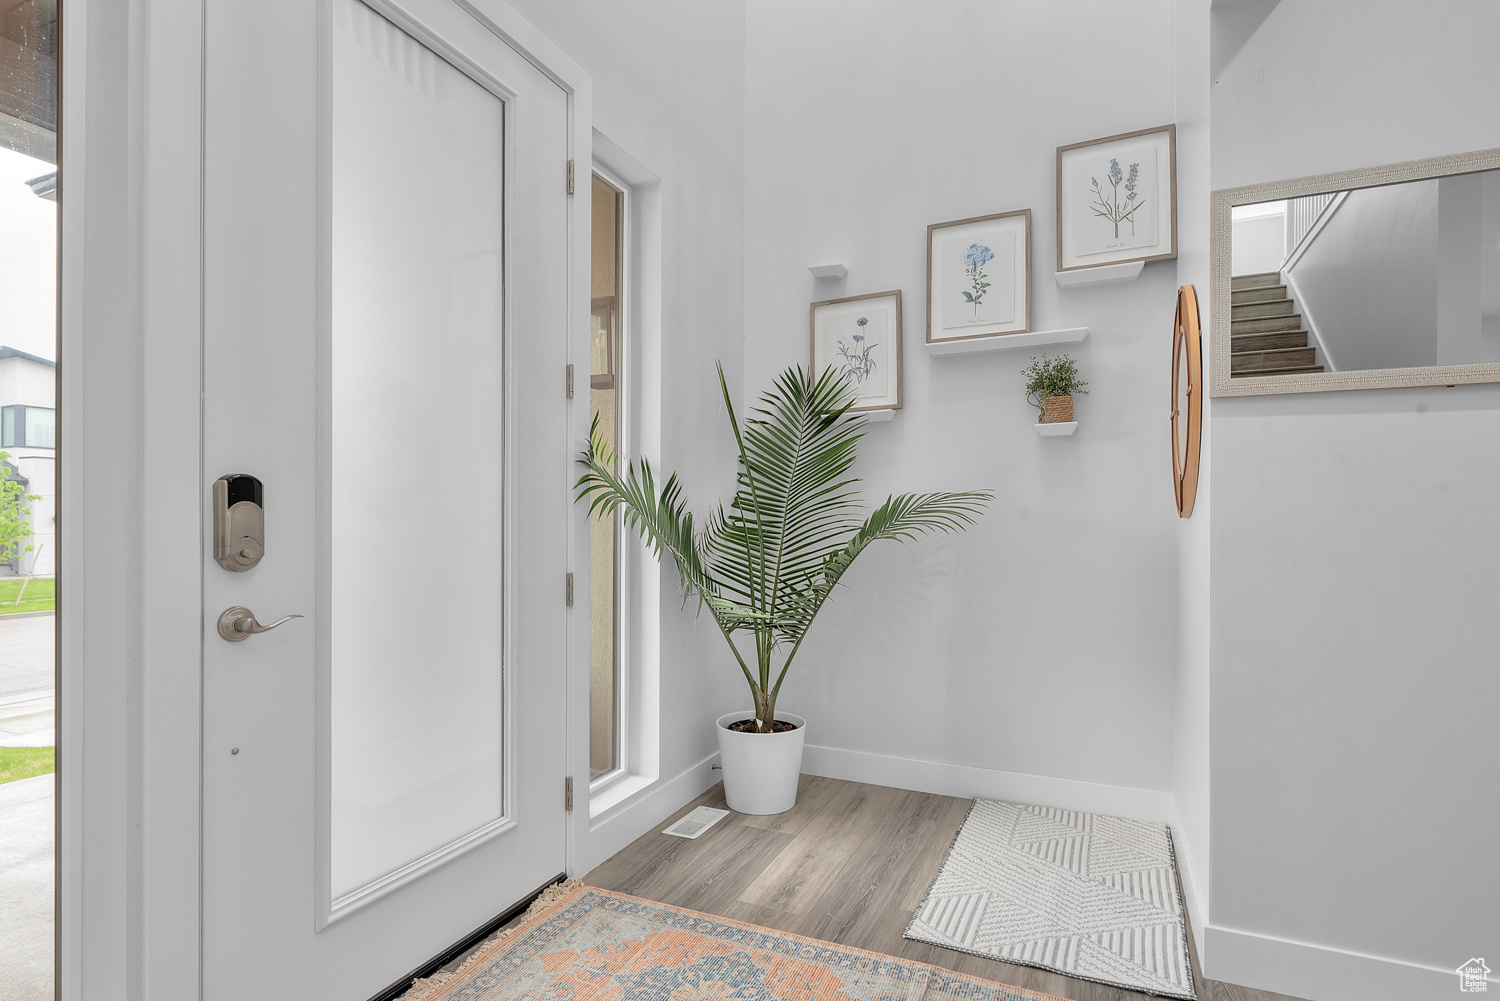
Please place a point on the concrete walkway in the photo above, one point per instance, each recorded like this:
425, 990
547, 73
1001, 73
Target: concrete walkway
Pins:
26, 812
26, 662
27, 719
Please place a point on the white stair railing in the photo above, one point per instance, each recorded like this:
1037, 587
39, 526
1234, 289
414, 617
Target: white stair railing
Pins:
1301, 215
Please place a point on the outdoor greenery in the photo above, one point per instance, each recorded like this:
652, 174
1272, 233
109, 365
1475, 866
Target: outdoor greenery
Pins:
1052, 377
38, 596
766, 566
25, 762
14, 530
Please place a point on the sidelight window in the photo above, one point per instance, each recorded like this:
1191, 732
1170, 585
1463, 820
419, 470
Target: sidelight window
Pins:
607, 403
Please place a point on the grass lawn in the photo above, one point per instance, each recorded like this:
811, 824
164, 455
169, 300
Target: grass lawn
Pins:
24, 762
38, 595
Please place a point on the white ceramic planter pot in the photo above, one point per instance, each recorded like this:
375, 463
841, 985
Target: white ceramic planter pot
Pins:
761, 769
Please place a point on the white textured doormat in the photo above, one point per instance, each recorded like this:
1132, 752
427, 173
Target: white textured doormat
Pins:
1091, 896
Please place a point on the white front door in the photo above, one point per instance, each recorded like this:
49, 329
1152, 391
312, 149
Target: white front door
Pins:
385, 317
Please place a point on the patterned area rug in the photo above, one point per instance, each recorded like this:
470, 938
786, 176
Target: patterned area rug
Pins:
1091, 896
579, 943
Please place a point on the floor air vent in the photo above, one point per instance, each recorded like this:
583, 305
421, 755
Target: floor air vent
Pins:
696, 822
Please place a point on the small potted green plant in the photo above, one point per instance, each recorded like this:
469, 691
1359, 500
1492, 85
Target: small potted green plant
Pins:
1050, 385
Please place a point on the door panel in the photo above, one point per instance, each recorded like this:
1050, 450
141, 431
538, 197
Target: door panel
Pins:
385, 313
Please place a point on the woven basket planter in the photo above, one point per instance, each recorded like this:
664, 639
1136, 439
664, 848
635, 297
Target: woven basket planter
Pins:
1057, 410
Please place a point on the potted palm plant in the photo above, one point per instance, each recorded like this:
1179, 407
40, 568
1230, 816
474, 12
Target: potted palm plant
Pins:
1050, 385
765, 566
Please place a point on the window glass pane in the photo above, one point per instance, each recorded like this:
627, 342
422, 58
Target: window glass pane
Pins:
41, 427
417, 452
28, 346
604, 392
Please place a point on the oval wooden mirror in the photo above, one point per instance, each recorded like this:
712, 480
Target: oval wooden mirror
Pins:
1187, 399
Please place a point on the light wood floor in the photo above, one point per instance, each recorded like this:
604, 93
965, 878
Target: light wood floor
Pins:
849, 864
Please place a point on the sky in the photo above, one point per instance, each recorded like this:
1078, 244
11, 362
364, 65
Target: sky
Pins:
28, 258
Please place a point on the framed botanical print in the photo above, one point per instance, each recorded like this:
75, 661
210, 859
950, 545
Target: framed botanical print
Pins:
1117, 199
979, 276
860, 337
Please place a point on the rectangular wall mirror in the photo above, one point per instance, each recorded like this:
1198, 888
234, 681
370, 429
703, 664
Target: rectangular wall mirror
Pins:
1364, 279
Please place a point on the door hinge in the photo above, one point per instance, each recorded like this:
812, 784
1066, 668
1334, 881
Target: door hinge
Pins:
568, 794
570, 380
570, 177
570, 590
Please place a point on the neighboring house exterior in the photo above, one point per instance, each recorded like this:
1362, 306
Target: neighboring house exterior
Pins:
28, 431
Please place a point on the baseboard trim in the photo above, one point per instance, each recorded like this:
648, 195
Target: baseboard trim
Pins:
1197, 903
944, 779
1265, 962
1319, 972
645, 809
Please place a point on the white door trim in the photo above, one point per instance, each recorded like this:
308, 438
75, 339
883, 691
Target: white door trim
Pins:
130, 513
129, 730
508, 24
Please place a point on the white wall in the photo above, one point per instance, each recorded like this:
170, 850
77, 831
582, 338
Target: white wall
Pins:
668, 89
1354, 751
34, 384
1369, 279
1042, 642
1489, 302
1190, 718
28, 257
1460, 226
1259, 243
39, 466
25, 381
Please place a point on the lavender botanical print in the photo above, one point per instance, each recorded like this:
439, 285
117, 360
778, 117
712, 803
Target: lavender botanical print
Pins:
1113, 197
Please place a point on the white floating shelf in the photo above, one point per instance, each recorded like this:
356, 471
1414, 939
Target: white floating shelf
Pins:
1057, 430
829, 271
1103, 274
999, 342
879, 415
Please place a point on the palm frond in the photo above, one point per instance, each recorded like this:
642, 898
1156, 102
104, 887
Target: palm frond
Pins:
795, 505
768, 562
901, 518
660, 517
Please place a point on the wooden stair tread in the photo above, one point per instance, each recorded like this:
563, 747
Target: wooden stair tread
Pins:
1272, 358
1259, 280
1261, 352
1262, 293
1245, 373
1265, 324
1252, 310
1268, 339
1266, 336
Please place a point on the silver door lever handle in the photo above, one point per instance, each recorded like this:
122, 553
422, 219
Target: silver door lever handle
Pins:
239, 622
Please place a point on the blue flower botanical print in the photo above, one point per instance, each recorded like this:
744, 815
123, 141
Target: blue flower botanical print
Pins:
857, 364
974, 261
1109, 205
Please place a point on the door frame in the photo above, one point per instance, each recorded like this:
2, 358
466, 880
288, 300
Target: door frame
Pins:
132, 500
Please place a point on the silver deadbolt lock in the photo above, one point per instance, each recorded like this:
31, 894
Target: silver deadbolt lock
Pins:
239, 522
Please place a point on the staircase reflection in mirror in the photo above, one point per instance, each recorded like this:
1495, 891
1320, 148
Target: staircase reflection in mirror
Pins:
1362, 277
